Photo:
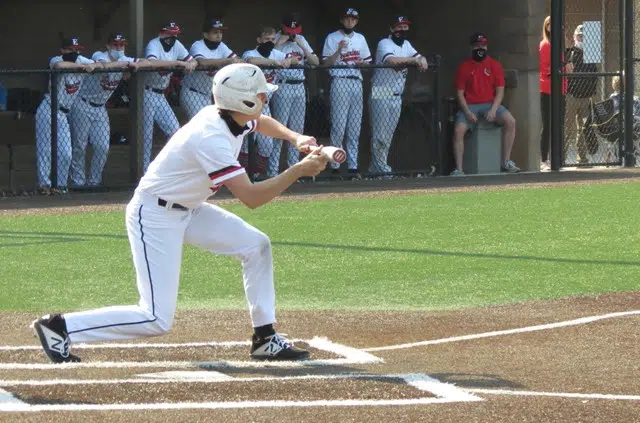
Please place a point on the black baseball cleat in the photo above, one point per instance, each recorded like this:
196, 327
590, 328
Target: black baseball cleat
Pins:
276, 347
51, 330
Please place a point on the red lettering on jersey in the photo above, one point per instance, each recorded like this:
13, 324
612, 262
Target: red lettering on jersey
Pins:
164, 73
270, 77
350, 56
295, 54
72, 88
108, 84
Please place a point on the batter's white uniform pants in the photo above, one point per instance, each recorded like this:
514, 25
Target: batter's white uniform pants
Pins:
193, 101
384, 117
289, 108
346, 117
89, 124
43, 144
156, 110
156, 235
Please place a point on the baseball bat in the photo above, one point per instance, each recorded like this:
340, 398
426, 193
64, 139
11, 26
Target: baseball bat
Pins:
334, 154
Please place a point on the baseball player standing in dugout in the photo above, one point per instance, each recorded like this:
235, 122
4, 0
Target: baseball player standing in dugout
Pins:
209, 52
290, 101
89, 118
346, 47
163, 51
169, 209
387, 86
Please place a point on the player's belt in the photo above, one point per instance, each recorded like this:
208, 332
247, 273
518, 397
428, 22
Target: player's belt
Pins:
196, 91
155, 90
293, 81
163, 203
347, 77
91, 103
64, 109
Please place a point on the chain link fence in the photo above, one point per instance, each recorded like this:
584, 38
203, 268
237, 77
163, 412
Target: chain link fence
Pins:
80, 131
593, 61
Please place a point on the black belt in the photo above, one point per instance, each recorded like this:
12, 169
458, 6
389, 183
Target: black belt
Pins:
196, 91
163, 203
63, 109
91, 103
294, 81
155, 90
347, 77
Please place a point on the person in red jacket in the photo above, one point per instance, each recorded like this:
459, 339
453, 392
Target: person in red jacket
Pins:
480, 90
545, 92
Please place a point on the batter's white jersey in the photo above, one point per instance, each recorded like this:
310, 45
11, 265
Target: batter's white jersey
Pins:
202, 81
68, 83
155, 51
197, 160
98, 88
387, 77
356, 50
270, 74
292, 49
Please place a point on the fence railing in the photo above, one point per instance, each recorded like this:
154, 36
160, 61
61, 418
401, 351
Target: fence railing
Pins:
102, 129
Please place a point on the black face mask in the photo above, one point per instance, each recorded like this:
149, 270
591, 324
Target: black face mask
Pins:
211, 45
400, 36
168, 43
70, 57
478, 54
265, 48
347, 30
292, 37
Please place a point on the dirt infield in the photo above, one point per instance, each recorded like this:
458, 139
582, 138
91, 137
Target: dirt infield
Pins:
561, 360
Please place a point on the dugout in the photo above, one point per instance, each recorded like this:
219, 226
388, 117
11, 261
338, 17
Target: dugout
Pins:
512, 27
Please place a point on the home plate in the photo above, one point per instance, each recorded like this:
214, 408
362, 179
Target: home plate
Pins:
186, 376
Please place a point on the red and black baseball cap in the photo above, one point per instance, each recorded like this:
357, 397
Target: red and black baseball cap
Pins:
351, 13
291, 24
399, 20
214, 23
478, 38
117, 38
170, 27
71, 43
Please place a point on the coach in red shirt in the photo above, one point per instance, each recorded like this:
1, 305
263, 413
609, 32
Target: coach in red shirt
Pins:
480, 90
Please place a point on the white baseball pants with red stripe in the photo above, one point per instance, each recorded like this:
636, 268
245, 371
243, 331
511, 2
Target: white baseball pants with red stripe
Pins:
156, 235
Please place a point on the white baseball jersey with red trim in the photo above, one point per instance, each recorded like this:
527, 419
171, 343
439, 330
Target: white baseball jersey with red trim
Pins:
200, 80
292, 49
393, 78
155, 51
69, 83
98, 88
270, 74
356, 49
196, 161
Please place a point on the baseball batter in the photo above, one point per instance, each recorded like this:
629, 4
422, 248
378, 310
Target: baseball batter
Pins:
209, 52
387, 86
163, 51
169, 209
290, 101
346, 48
68, 87
89, 118
266, 55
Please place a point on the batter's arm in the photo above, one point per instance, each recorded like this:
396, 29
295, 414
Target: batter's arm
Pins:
270, 127
258, 194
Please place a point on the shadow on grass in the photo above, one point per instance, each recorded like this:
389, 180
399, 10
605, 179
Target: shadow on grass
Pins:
33, 238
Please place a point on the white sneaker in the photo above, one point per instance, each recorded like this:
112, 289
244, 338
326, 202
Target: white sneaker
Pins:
510, 166
456, 172
545, 166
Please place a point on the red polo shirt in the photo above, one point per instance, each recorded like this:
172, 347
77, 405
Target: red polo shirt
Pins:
479, 80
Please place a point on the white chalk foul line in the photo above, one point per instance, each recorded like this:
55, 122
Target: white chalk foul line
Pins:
350, 356
219, 405
576, 322
555, 394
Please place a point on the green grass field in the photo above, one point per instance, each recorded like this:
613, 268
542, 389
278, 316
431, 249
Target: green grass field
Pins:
407, 252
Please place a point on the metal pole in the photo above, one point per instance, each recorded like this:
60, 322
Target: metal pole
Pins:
629, 84
54, 129
621, 64
557, 112
136, 93
437, 118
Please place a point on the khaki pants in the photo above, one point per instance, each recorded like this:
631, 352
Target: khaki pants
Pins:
576, 112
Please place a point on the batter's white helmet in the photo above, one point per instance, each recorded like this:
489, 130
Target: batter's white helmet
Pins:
236, 87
